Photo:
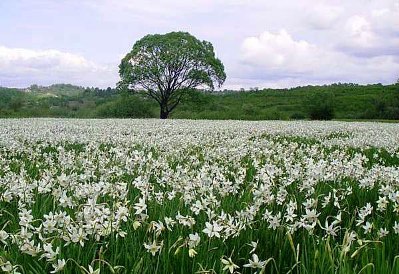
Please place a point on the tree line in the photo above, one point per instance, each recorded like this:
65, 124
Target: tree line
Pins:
338, 101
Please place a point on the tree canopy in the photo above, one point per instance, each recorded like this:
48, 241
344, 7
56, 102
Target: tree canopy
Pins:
166, 66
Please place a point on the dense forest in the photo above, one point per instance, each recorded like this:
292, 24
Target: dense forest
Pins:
336, 101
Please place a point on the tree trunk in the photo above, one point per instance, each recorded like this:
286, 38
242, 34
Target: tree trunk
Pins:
164, 113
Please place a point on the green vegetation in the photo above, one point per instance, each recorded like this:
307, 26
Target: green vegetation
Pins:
168, 66
350, 101
320, 105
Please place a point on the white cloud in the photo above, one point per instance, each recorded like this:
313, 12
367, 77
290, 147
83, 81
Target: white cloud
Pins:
323, 16
364, 36
168, 8
279, 56
370, 31
323, 41
278, 51
22, 67
359, 33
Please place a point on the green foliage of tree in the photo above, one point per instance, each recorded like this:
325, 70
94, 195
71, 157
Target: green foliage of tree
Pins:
126, 106
167, 66
11, 100
320, 105
16, 103
385, 106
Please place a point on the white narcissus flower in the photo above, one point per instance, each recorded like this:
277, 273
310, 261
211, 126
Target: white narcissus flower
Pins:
3, 236
254, 245
192, 252
153, 248
6, 267
212, 230
367, 227
193, 240
396, 228
311, 215
382, 203
122, 213
255, 263
290, 214
330, 229
78, 236
140, 207
228, 264
383, 232
49, 253
92, 271
274, 221
136, 225
169, 223
59, 266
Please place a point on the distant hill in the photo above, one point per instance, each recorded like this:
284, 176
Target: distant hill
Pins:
350, 101
56, 90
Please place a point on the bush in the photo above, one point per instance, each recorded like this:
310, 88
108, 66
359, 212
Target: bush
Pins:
127, 106
383, 108
248, 109
320, 106
297, 116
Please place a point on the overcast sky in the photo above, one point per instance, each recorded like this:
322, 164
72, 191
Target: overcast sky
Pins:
262, 43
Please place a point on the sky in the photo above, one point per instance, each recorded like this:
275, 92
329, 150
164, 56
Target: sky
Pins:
264, 44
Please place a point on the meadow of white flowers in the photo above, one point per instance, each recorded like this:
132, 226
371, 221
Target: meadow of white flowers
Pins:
178, 196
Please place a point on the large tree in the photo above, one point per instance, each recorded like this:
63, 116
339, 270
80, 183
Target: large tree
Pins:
166, 66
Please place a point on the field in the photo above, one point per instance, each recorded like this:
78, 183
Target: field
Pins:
180, 196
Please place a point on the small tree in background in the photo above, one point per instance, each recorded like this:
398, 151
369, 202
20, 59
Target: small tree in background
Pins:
320, 106
167, 66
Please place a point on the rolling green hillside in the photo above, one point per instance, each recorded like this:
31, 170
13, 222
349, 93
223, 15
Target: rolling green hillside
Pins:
349, 101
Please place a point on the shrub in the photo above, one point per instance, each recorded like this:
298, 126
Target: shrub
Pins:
297, 116
127, 106
320, 106
248, 109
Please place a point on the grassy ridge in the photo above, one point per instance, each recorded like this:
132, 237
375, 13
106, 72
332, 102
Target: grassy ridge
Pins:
350, 102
